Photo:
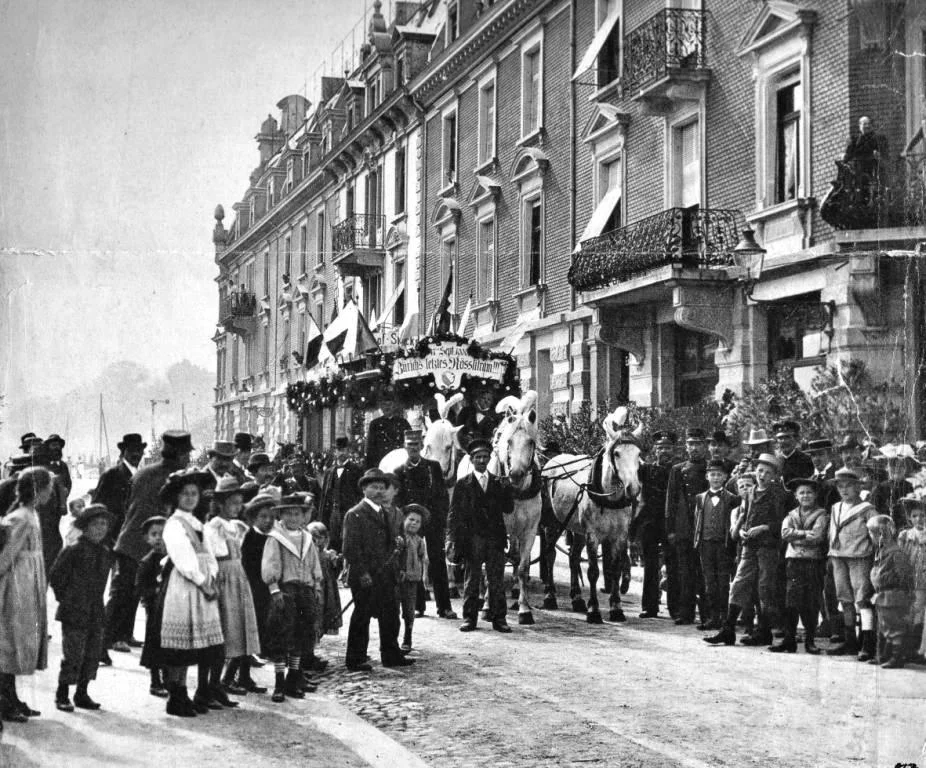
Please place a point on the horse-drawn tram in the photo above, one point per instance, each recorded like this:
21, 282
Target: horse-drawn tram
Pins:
458, 390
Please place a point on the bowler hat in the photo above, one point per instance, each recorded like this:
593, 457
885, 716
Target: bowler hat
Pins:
847, 473
818, 444
478, 444
132, 439
243, 441
717, 465
176, 480
28, 437
90, 513
786, 427
373, 475
31, 443
720, 437
258, 460
341, 442
757, 437
222, 448
178, 440
153, 520
419, 509
769, 459
795, 483
695, 434
54, 438
664, 437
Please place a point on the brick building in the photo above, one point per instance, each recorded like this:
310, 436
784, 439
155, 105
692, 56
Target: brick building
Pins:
588, 167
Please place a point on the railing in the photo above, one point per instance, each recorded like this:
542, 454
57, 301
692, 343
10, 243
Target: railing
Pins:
238, 304
689, 237
877, 195
362, 230
672, 40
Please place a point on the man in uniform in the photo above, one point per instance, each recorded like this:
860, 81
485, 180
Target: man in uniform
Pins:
476, 535
116, 483
385, 433
794, 462
243, 448
686, 480
131, 545
339, 491
422, 482
649, 524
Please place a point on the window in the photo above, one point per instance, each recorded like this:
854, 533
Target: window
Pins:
532, 248
695, 368
531, 91
306, 164
372, 288
686, 165
609, 54
398, 310
485, 261
290, 173
487, 122
448, 256
303, 249
271, 190
303, 333
450, 148
453, 22
607, 214
796, 332
251, 211
350, 116
373, 94
250, 278
266, 348
787, 141
400, 70
400, 181
266, 273
288, 256
320, 238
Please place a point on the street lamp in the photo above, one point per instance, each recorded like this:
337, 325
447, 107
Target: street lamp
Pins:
154, 403
750, 256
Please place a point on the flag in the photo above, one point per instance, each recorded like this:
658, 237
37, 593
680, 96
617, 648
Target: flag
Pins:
314, 344
464, 318
514, 336
349, 334
443, 318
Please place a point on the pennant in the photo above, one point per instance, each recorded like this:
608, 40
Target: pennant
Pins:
443, 318
313, 345
464, 318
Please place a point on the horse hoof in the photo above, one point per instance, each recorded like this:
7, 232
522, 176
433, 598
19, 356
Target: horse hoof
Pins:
549, 603
616, 614
513, 606
525, 618
578, 605
593, 617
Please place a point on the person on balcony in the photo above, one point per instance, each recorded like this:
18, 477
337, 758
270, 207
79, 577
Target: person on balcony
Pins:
864, 154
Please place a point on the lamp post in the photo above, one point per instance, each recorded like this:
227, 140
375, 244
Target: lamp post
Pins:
154, 403
750, 256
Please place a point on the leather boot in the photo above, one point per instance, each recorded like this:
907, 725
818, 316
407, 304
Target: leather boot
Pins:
726, 636
868, 642
809, 645
896, 660
279, 688
293, 684
848, 647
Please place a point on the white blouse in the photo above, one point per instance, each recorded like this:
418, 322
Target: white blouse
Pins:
219, 530
181, 552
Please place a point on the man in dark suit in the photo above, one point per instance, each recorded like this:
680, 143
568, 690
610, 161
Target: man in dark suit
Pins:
478, 420
54, 445
339, 491
476, 535
239, 466
385, 433
304, 481
116, 482
131, 546
649, 526
422, 482
372, 538
794, 462
686, 480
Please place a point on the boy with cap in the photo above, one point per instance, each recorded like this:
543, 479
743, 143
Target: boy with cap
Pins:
851, 552
78, 578
686, 480
712, 541
147, 590
794, 462
759, 531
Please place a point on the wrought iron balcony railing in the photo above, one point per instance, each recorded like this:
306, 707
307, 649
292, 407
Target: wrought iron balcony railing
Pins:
670, 42
360, 231
689, 237
238, 304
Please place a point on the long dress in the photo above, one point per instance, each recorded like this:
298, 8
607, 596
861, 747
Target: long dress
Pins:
23, 612
236, 606
191, 629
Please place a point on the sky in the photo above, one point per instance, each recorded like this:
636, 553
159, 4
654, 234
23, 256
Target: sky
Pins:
122, 125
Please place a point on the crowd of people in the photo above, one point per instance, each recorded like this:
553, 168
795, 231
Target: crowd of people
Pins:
238, 562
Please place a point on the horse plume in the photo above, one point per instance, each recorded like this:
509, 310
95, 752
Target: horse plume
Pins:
508, 404
529, 400
613, 422
445, 404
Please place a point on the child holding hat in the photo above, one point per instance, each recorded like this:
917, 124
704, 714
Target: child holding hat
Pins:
78, 578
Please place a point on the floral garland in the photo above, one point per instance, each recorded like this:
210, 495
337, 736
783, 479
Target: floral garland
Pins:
364, 387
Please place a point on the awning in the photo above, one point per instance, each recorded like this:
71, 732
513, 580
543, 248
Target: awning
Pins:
601, 215
390, 303
603, 33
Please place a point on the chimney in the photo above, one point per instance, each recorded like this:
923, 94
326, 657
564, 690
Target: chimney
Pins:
293, 110
269, 140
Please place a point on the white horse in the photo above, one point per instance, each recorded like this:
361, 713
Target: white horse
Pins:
593, 496
441, 442
513, 458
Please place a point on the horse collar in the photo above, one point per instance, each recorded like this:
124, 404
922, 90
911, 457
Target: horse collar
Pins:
596, 491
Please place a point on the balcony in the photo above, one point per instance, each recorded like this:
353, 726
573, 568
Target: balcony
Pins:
697, 238
886, 195
358, 244
237, 312
665, 59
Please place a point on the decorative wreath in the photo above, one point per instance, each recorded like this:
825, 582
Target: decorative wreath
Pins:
362, 384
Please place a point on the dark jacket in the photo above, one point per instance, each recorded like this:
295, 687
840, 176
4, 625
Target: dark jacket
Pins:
477, 513
252, 555
728, 502
423, 483
63, 473
686, 480
50, 514
113, 491
892, 577
798, 464
475, 423
146, 579
369, 543
143, 503
338, 495
78, 578
385, 434
886, 498
768, 507
651, 513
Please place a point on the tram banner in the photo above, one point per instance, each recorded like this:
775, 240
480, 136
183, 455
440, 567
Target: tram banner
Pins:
449, 365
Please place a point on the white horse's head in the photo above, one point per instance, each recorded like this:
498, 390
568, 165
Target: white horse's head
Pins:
621, 454
515, 438
441, 438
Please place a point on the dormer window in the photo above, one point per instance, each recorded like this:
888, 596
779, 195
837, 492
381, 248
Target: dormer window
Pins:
453, 22
271, 193
373, 91
290, 173
350, 117
400, 70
